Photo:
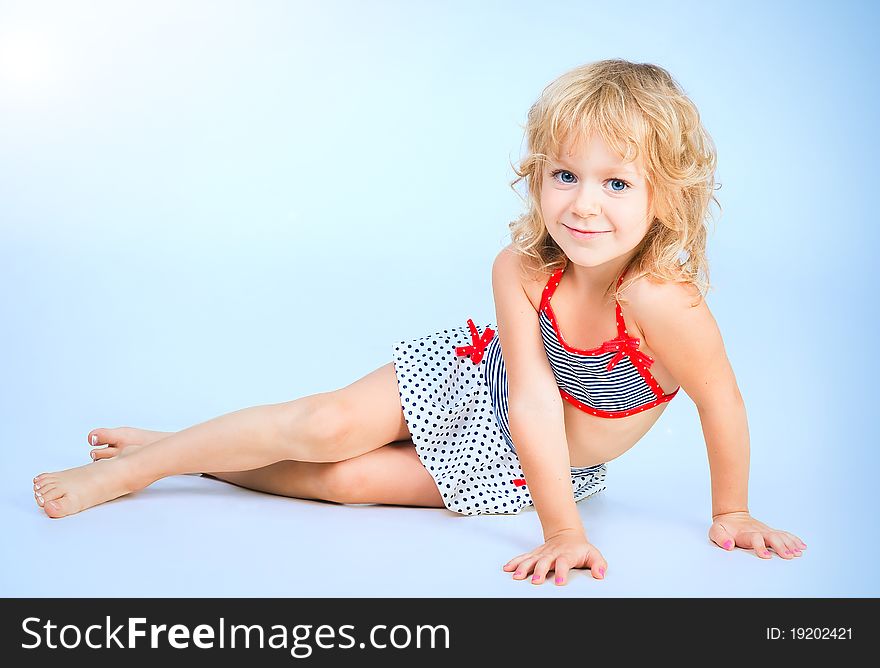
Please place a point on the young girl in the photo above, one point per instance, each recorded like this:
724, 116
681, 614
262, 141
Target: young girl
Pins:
601, 320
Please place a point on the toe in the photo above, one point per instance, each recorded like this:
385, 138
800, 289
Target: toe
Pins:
97, 436
104, 453
117, 436
39, 499
58, 508
102, 436
43, 489
52, 494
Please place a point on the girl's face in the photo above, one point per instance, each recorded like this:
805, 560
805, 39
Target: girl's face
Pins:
594, 191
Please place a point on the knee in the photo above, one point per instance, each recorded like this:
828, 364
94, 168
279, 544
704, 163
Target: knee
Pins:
320, 426
344, 482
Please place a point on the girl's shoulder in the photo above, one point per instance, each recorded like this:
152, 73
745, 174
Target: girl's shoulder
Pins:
533, 283
532, 280
649, 299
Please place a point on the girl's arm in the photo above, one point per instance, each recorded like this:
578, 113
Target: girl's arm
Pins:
537, 423
542, 448
537, 426
687, 340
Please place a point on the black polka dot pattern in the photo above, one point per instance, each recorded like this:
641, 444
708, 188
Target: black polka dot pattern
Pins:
447, 407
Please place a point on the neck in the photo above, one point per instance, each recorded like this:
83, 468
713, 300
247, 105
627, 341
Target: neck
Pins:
595, 283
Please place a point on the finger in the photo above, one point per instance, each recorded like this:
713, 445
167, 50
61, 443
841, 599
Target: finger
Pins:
719, 535
597, 564
789, 546
562, 568
801, 545
541, 568
778, 544
524, 568
757, 542
512, 564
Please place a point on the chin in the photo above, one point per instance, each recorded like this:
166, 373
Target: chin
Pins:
587, 262
584, 257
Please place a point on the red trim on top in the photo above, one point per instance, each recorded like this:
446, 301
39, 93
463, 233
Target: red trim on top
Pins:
622, 335
615, 414
624, 345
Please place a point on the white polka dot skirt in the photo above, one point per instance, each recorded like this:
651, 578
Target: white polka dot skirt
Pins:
452, 407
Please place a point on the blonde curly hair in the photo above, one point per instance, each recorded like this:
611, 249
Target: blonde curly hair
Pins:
640, 111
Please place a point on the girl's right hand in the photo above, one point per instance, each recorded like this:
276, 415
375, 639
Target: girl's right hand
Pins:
561, 552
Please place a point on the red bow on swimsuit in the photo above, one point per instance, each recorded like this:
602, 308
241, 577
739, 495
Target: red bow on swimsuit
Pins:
625, 347
479, 343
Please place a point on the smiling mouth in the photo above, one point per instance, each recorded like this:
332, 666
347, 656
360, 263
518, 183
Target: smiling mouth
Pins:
585, 233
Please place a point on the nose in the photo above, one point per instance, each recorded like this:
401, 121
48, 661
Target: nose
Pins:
586, 203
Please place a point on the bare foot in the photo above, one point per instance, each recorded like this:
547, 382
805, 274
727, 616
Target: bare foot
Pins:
67, 492
120, 441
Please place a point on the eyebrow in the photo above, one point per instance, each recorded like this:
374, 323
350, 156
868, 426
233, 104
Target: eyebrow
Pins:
625, 169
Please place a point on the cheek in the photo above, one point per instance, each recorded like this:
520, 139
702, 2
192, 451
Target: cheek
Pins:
547, 201
634, 216
635, 233
552, 195
549, 212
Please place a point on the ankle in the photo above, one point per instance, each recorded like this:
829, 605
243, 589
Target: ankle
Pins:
128, 474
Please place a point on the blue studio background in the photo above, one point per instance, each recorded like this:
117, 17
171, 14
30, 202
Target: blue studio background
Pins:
211, 205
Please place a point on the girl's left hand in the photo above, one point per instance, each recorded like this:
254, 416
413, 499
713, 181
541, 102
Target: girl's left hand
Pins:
742, 530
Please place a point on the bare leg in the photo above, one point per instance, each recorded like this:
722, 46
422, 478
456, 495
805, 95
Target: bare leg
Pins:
329, 427
391, 475
245, 439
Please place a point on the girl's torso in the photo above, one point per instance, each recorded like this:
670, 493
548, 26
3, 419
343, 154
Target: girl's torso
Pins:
591, 439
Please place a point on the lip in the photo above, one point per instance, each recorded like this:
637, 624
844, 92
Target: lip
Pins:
577, 234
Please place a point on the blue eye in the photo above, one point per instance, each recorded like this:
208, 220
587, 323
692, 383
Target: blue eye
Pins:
626, 185
562, 171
